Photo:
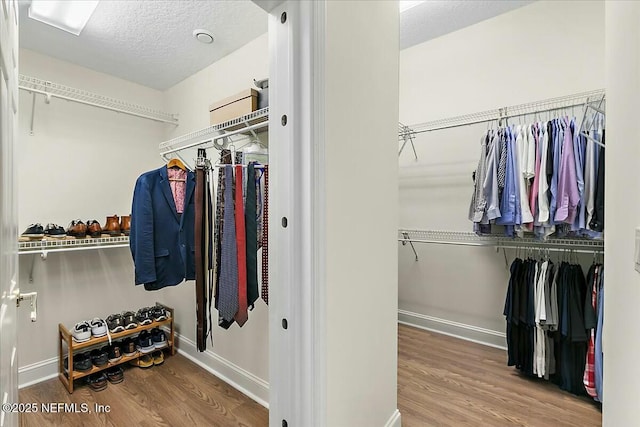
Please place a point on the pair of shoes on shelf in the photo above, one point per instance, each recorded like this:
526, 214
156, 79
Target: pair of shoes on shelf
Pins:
148, 341
99, 380
83, 331
147, 315
80, 230
115, 226
81, 362
129, 347
121, 322
37, 232
149, 360
114, 351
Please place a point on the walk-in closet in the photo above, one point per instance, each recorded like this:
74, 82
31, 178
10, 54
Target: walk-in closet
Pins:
319, 213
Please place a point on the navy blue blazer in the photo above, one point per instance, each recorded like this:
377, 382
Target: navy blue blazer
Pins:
162, 242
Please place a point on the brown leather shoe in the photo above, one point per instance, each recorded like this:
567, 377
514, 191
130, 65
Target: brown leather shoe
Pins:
125, 224
77, 229
93, 228
112, 227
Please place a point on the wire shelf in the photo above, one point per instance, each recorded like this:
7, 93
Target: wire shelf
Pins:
258, 118
499, 241
551, 104
47, 88
45, 246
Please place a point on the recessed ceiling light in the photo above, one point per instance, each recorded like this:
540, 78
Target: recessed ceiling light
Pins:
408, 4
68, 15
203, 36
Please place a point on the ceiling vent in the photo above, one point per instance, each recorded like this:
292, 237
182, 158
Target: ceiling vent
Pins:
203, 36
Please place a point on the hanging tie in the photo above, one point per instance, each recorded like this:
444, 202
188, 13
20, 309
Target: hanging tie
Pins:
228, 300
251, 224
265, 238
241, 246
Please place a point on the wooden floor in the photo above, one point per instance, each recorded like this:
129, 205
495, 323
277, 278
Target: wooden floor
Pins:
442, 381
177, 393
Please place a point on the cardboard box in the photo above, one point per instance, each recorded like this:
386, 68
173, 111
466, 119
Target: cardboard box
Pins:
234, 106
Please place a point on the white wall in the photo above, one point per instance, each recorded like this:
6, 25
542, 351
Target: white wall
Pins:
82, 162
543, 50
361, 214
246, 347
621, 338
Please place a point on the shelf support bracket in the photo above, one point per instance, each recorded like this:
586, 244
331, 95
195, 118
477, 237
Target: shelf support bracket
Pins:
404, 243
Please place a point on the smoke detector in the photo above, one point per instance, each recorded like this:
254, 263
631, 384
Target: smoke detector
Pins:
203, 36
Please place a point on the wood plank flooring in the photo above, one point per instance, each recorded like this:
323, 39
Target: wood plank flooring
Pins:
442, 381
176, 393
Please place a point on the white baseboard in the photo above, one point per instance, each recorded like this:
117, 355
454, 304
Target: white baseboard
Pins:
240, 379
394, 420
463, 331
37, 372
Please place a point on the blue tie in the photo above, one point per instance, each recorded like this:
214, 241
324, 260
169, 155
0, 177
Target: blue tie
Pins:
228, 300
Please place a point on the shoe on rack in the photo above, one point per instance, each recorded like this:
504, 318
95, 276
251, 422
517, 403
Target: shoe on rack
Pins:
112, 226
93, 228
115, 322
115, 374
81, 332
129, 347
81, 362
34, 231
143, 316
99, 357
97, 381
98, 327
77, 229
159, 338
114, 351
125, 224
54, 231
145, 342
159, 313
129, 318
158, 357
144, 361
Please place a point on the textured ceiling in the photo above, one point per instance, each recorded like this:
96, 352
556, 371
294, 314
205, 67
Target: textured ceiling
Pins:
435, 18
149, 42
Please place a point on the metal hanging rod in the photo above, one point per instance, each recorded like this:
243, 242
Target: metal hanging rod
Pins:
245, 124
514, 111
55, 90
460, 238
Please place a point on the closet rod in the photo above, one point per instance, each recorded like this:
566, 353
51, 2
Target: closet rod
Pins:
493, 119
215, 138
548, 105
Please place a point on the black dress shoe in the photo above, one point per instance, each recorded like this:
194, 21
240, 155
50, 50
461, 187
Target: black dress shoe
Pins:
115, 374
97, 381
99, 357
34, 231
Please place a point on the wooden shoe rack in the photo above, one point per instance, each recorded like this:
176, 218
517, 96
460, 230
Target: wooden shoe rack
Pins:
67, 375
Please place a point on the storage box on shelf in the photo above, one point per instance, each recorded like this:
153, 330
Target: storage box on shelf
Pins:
234, 106
67, 375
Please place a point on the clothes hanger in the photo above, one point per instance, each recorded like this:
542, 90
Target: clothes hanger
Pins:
176, 163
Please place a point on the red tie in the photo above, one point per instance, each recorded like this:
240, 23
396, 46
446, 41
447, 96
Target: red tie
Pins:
241, 316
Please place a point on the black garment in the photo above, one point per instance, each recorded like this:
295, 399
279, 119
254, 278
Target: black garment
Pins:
251, 232
597, 222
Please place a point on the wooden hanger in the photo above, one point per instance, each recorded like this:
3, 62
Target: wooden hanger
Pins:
177, 163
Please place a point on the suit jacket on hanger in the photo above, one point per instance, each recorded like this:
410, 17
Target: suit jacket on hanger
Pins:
162, 242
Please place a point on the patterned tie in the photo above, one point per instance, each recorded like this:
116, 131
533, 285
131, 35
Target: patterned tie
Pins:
241, 315
251, 224
228, 301
265, 238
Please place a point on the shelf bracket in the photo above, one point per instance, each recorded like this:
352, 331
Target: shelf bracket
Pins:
404, 243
